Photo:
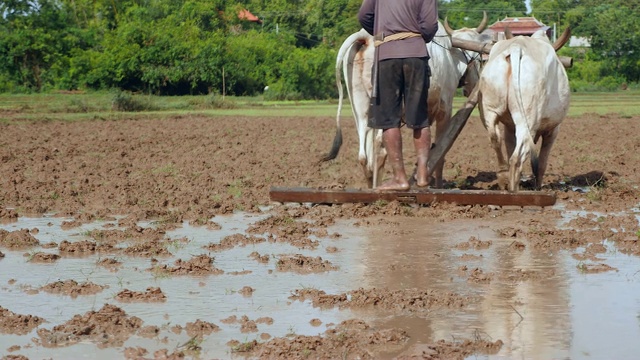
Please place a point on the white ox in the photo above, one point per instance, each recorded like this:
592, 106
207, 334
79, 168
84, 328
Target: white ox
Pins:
523, 96
450, 68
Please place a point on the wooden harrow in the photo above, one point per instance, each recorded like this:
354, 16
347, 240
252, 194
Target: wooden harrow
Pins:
437, 153
413, 196
419, 195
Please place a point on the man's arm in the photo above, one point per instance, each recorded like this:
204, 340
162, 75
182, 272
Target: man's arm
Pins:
366, 15
429, 20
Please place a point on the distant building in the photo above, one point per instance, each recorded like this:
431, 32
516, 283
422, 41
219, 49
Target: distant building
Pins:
525, 26
246, 15
577, 41
247, 22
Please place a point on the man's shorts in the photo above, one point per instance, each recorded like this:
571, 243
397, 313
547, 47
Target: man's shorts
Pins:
400, 79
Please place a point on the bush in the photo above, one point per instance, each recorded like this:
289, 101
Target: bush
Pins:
216, 101
586, 70
582, 86
633, 86
281, 91
607, 83
610, 83
125, 101
77, 106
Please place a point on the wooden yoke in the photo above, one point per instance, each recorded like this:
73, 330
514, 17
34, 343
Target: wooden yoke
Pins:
485, 48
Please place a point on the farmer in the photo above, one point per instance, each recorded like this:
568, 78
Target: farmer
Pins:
401, 28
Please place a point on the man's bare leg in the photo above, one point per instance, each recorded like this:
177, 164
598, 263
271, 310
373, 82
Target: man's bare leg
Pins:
393, 144
422, 143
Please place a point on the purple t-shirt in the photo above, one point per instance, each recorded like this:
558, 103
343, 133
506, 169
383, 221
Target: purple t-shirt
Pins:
396, 16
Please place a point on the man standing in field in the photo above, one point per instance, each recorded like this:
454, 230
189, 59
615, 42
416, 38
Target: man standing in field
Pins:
401, 29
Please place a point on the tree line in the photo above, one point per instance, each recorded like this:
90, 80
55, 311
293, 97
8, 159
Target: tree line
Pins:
169, 47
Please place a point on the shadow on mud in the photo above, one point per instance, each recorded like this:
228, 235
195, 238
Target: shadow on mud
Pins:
487, 180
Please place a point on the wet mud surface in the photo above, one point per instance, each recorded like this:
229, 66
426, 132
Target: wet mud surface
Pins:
156, 239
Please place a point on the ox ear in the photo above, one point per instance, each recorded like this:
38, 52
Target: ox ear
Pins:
562, 39
447, 27
483, 23
507, 33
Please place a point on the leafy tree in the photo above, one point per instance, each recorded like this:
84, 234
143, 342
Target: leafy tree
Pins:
552, 11
306, 75
201, 46
468, 13
614, 32
255, 59
332, 20
35, 37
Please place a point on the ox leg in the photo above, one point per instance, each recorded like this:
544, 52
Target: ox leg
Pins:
509, 137
393, 143
545, 149
370, 151
518, 157
497, 134
381, 157
364, 153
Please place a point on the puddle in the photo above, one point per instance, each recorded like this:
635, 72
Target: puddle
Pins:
566, 314
568, 215
209, 298
561, 314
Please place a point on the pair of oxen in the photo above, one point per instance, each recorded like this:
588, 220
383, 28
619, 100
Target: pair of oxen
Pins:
522, 92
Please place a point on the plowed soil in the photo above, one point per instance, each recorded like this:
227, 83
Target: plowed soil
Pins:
194, 168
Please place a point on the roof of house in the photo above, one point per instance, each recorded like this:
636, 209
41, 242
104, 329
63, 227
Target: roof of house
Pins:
244, 14
519, 25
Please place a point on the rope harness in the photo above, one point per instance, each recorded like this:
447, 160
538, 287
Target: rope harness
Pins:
468, 59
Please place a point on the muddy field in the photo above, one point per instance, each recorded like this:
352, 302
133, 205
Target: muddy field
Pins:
156, 239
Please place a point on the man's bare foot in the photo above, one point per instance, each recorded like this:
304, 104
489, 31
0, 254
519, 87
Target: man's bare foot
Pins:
420, 183
393, 185
422, 176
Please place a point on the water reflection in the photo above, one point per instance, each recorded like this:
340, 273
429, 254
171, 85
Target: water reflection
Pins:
563, 314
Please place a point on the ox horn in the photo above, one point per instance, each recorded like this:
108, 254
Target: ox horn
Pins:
447, 27
479, 29
507, 33
483, 23
562, 39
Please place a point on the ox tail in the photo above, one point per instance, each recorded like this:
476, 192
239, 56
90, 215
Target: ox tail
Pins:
337, 139
516, 57
340, 58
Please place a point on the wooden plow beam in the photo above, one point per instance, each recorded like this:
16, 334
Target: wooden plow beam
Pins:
453, 129
413, 196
